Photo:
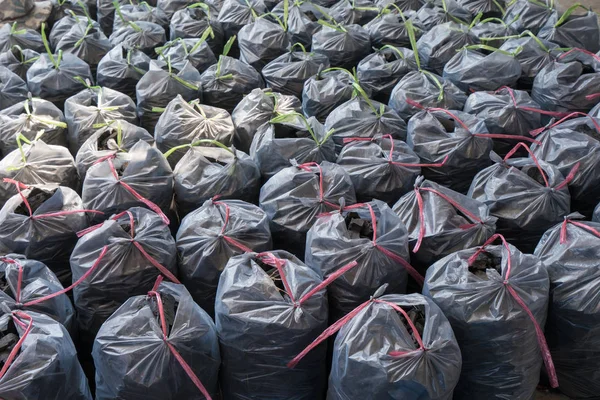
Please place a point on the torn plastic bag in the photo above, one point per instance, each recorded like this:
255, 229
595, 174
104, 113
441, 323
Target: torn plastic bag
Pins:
180, 51
169, 334
194, 21
573, 30
41, 222
121, 69
441, 221
370, 235
566, 143
161, 84
295, 196
570, 252
211, 235
140, 35
348, 12
86, 41
389, 28
439, 12
184, 123
205, 172
19, 60
11, 36
493, 32
326, 90
473, 70
169, 7
437, 46
45, 359
275, 293
530, 15
118, 259
458, 138
261, 42
257, 108
25, 285
140, 177
92, 106
225, 83
235, 14
344, 45
301, 20
290, 137
109, 138
364, 118
287, 73
496, 299
140, 12
380, 168
527, 195
37, 163
13, 89
379, 72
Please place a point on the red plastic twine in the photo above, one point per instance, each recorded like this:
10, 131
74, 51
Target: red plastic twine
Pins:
584, 51
511, 93
270, 259
186, 367
229, 239
536, 132
563, 229
307, 167
15, 351
547, 357
533, 157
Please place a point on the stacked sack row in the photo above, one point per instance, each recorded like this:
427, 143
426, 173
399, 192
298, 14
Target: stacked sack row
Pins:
248, 203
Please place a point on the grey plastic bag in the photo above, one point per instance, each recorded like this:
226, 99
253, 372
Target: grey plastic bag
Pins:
194, 21
18, 60
121, 69
389, 28
235, 14
348, 12
140, 35
13, 89
344, 45
85, 40
11, 36
169, 7
180, 51
140, 12
529, 15
533, 54
261, 42
301, 20
573, 30
326, 90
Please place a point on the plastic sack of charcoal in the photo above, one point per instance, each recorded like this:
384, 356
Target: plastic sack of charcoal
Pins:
290, 136
295, 196
496, 299
121, 69
347, 12
301, 22
573, 30
194, 21
40, 357
141, 35
569, 252
269, 307
19, 60
326, 90
439, 12
344, 45
493, 31
41, 222
212, 234
235, 14
28, 118
169, 7
487, 9
441, 221
210, 169
416, 356
11, 36
529, 15
568, 142
194, 50
30, 285
106, 13
139, 12
62, 9
257, 108
183, 123
389, 28
140, 177
13, 89
109, 138
262, 41
168, 333
527, 195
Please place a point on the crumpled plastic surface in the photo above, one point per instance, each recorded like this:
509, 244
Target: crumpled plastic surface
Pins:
146, 39
13, 89
235, 14
526, 15
169, 7
121, 69
203, 251
301, 25
433, 14
194, 50
261, 41
105, 14
493, 32
500, 351
447, 229
382, 70
437, 46
532, 57
343, 48
487, 7
572, 326
325, 91
140, 12
24, 38
348, 12
389, 28
287, 73
47, 362
261, 329
18, 60
205, 172
362, 367
193, 22
292, 201
133, 359
339, 238
581, 31
88, 43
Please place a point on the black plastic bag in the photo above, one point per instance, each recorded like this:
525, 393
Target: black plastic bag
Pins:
209, 236
569, 83
106, 13
348, 12
161, 84
446, 222
83, 39
13, 88
19, 60
169, 7
290, 137
140, 35
109, 138
406, 6
296, 195
25, 285
194, 21
326, 90
495, 298
487, 8
118, 259
438, 12
287, 73
121, 69
93, 106
573, 30
257, 108
45, 360
301, 21
382, 168
140, 177
569, 252
180, 51
529, 15
235, 14
379, 72
65, 25
269, 307
455, 138
493, 32
11, 36
389, 28
41, 222
184, 123
344, 45
139, 12
261, 42
65, 8
205, 172
169, 334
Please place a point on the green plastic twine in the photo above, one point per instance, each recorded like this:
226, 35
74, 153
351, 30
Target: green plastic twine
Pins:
537, 40
177, 78
54, 61
87, 31
40, 119
119, 129
254, 15
197, 143
138, 70
332, 25
203, 6
226, 50
413, 42
568, 13
394, 49
291, 117
15, 31
299, 45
